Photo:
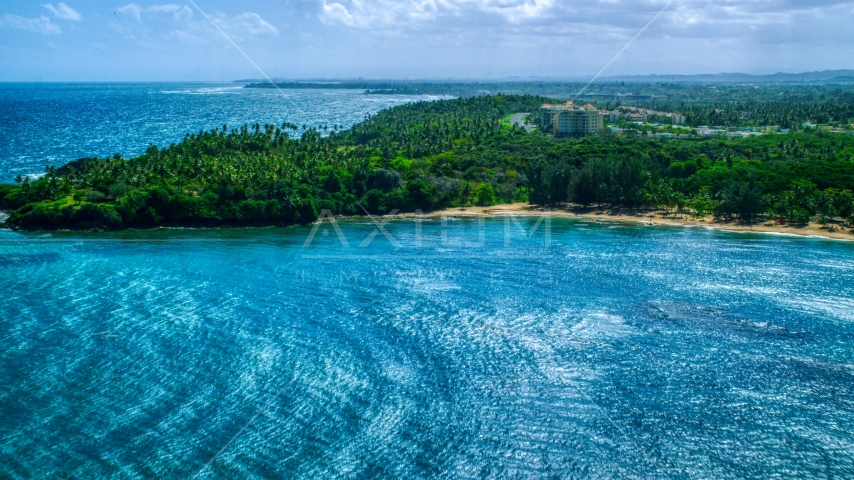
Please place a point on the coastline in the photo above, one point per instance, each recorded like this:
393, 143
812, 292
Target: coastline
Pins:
628, 217
649, 218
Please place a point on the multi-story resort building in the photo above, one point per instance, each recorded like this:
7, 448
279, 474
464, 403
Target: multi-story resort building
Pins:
643, 115
570, 119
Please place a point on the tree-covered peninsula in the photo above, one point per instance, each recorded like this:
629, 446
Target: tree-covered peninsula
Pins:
432, 155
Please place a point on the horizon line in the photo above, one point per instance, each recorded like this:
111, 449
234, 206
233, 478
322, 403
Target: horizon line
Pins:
470, 79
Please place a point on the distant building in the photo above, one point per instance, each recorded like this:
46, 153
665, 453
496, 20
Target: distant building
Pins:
712, 132
677, 118
571, 119
636, 117
621, 132
614, 116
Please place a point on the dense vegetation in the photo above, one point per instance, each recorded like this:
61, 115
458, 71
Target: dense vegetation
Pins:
786, 105
840, 89
785, 114
430, 155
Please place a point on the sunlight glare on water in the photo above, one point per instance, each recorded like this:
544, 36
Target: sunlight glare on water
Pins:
610, 352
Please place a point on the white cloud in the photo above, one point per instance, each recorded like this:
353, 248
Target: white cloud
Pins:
180, 12
38, 25
177, 23
243, 25
240, 26
396, 14
132, 10
606, 18
516, 10
64, 12
379, 13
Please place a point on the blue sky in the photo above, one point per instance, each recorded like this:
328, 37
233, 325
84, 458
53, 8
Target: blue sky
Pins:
88, 40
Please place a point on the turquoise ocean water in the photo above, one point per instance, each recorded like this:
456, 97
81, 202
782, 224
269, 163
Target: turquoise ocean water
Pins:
499, 349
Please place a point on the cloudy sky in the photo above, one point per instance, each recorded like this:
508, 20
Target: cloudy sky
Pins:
82, 40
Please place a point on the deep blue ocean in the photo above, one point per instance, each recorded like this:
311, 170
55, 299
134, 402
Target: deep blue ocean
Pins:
52, 124
502, 348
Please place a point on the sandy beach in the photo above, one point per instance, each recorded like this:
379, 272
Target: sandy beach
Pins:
647, 218
651, 218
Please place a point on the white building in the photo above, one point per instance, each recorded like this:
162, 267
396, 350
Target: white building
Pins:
571, 119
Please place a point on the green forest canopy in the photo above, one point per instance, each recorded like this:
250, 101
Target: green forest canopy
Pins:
431, 155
